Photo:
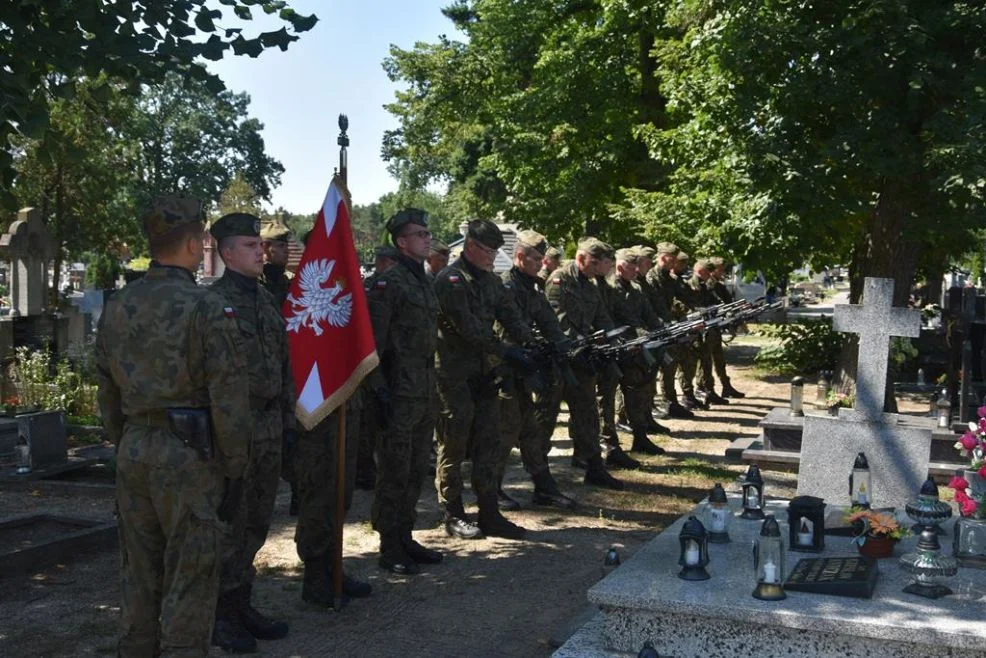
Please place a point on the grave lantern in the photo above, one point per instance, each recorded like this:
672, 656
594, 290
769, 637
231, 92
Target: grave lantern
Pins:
806, 523
694, 550
860, 483
717, 515
752, 494
944, 411
928, 510
648, 651
928, 565
610, 561
23, 452
768, 562
822, 388
798, 396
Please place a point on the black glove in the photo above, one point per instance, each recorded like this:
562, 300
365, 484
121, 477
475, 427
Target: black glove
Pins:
519, 358
289, 439
231, 500
386, 403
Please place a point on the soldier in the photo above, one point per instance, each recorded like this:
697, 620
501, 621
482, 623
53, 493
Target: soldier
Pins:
645, 263
701, 283
576, 301
404, 312
516, 406
272, 400
686, 301
631, 308
723, 296
550, 263
169, 360
472, 362
663, 286
385, 257
274, 239
437, 258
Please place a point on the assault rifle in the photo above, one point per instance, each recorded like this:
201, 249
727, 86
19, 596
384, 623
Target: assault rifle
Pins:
726, 317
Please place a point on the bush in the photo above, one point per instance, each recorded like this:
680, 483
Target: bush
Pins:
46, 384
804, 347
102, 271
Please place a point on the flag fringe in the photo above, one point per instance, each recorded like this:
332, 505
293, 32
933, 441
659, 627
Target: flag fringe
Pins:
310, 420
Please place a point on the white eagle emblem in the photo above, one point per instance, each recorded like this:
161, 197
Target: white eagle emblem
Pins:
317, 303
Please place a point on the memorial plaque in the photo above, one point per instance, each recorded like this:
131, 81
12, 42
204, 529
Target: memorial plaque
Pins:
841, 576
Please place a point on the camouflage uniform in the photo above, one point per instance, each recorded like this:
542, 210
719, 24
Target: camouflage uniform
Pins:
662, 288
163, 343
607, 381
722, 296
277, 283
703, 296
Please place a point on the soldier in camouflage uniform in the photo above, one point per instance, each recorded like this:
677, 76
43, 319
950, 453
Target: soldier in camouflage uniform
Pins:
472, 365
645, 263
437, 258
723, 296
550, 263
272, 400
631, 308
404, 312
518, 426
662, 290
702, 283
686, 301
169, 359
575, 298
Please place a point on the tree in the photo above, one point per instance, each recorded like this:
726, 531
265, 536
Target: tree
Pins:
239, 197
47, 47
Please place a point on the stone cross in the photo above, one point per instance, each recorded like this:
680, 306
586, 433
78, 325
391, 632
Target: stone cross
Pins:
29, 248
875, 321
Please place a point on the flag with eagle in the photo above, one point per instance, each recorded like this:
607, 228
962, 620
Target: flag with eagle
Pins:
329, 331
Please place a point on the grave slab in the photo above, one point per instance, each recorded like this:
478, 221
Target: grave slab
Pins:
645, 600
35, 541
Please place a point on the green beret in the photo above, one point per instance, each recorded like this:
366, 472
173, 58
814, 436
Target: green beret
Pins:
553, 252
645, 252
396, 224
595, 248
168, 212
627, 255
667, 248
533, 240
438, 247
275, 231
485, 232
236, 223
386, 251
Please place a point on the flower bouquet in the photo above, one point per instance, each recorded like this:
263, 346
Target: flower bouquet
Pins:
835, 399
970, 491
878, 532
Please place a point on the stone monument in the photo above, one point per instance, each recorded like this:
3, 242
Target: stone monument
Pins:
29, 248
898, 451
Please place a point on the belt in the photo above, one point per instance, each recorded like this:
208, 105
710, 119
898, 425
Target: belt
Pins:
263, 404
157, 418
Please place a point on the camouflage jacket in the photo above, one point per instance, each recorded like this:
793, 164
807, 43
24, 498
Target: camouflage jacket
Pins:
276, 282
535, 311
702, 293
669, 294
165, 342
404, 313
265, 344
630, 307
721, 292
577, 302
654, 297
471, 300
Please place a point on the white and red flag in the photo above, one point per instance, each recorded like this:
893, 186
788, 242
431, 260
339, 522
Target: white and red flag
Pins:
329, 333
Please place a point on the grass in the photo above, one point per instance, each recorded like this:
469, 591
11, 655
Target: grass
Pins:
694, 466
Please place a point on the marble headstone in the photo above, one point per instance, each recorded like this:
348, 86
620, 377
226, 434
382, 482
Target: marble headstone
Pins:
29, 248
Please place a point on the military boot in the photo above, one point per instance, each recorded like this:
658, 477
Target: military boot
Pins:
729, 392
258, 624
655, 427
504, 501
642, 443
229, 633
494, 524
394, 557
597, 475
351, 588
456, 523
547, 493
316, 587
620, 460
676, 410
692, 402
711, 397
418, 553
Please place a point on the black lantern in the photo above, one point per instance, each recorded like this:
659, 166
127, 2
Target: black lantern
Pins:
860, 483
718, 516
694, 550
648, 651
806, 524
752, 494
768, 562
611, 561
798, 396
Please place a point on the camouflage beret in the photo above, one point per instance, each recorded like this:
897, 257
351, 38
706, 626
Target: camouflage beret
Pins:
667, 248
533, 240
682, 255
486, 232
553, 252
717, 261
168, 212
275, 231
236, 223
438, 247
404, 217
595, 248
386, 251
704, 264
645, 252
627, 255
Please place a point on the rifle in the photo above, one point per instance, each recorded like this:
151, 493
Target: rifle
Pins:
726, 321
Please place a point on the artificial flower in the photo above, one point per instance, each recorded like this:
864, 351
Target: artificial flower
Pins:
969, 441
981, 411
961, 496
958, 483
969, 507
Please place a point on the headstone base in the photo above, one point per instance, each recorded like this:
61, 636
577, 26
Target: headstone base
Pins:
32, 542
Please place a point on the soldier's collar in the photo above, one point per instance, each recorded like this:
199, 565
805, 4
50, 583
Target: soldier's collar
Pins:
418, 269
241, 280
526, 278
469, 269
158, 270
274, 270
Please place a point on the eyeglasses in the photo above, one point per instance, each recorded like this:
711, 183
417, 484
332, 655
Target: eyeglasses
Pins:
489, 251
420, 234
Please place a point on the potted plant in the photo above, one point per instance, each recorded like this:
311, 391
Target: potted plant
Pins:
834, 400
970, 492
878, 532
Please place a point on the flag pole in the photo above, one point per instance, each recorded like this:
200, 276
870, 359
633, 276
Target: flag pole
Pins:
340, 514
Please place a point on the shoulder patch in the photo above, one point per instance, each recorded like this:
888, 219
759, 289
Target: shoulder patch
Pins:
556, 280
229, 311
453, 278
380, 283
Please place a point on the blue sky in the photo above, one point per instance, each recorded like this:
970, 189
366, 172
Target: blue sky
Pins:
333, 68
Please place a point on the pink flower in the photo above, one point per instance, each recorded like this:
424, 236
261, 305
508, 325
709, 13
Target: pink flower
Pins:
958, 483
961, 496
982, 425
969, 441
969, 507
981, 411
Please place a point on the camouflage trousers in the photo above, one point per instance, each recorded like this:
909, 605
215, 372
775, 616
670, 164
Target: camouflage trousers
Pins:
583, 416
667, 370
547, 403
713, 360
607, 384
251, 523
519, 428
638, 400
169, 544
315, 476
687, 365
403, 453
468, 427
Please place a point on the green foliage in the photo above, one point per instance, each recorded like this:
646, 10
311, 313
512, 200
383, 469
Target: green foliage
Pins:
139, 264
46, 383
239, 196
803, 347
102, 271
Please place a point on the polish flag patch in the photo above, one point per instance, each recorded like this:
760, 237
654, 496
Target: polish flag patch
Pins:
381, 284
556, 280
453, 278
229, 311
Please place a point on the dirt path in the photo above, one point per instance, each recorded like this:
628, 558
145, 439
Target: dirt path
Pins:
490, 597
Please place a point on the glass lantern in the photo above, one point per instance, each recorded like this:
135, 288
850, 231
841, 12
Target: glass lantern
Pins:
752, 494
768, 562
860, 483
928, 510
928, 566
822, 389
944, 411
806, 524
969, 542
718, 515
23, 453
798, 396
694, 555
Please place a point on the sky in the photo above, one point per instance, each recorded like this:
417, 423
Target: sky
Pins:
333, 68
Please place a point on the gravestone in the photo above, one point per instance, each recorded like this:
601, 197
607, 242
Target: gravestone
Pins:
29, 248
32, 542
898, 453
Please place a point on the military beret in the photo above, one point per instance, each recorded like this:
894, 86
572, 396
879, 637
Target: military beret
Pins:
704, 264
667, 248
438, 247
533, 240
275, 231
168, 212
683, 256
627, 255
404, 217
386, 251
595, 248
553, 252
236, 223
717, 261
486, 232
645, 252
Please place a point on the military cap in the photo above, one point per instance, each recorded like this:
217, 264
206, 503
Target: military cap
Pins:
667, 248
168, 212
386, 251
643, 251
275, 231
404, 217
683, 256
438, 247
704, 264
553, 252
627, 255
486, 232
595, 248
717, 261
533, 240
236, 223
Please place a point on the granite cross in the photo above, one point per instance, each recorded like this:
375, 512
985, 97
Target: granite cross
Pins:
875, 321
